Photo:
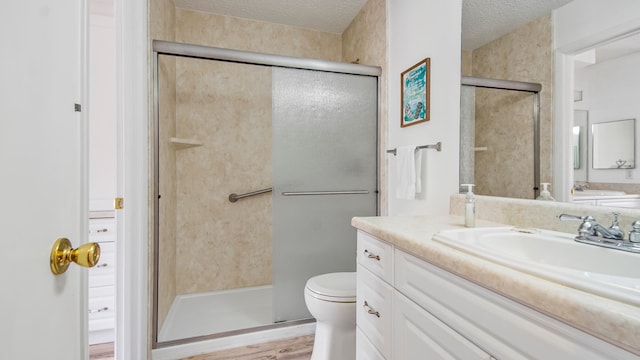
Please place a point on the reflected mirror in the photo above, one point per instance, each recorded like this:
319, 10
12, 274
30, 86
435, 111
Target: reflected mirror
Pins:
614, 144
580, 153
576, 147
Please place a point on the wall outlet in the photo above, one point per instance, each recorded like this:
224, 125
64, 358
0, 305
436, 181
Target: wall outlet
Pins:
628, 174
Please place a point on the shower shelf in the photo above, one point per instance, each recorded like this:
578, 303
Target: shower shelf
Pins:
180, 143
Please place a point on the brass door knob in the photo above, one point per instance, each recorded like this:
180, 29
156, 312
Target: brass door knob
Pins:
62, 254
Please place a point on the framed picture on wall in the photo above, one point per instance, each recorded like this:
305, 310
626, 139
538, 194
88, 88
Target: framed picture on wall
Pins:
415, 93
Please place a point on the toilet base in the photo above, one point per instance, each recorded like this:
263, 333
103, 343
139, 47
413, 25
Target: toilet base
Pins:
330, 344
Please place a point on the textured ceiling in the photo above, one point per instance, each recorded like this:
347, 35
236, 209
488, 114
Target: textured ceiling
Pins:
486, 20
482, 20
332, 16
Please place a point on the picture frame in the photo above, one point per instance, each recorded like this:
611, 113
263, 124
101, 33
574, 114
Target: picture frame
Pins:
415, 93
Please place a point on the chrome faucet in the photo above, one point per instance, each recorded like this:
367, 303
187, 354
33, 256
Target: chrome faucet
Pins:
590, 232
613, 232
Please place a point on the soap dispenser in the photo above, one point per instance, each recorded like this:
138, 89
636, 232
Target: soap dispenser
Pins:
469, 207
545, 194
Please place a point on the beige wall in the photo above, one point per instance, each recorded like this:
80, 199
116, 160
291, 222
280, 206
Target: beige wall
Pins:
523, 55
365, 40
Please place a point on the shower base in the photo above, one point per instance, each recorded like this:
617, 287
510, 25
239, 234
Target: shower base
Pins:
217, 312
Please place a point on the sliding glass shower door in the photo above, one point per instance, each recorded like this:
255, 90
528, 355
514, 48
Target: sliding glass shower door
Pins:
259, 167
324, 173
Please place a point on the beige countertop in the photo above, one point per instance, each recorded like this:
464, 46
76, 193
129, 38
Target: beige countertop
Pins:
613, 321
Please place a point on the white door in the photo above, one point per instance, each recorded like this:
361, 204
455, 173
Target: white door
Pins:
43, 182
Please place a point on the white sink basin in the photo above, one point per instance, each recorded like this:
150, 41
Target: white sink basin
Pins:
554, 256
588, 192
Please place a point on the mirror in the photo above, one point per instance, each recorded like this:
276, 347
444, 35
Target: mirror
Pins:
515, 113
576, 147
511, 55
614, 144
580, 153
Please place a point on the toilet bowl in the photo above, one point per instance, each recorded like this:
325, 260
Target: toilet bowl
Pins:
331, 300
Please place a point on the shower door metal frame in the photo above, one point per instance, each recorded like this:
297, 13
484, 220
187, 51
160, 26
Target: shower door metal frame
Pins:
160, 47
533, 88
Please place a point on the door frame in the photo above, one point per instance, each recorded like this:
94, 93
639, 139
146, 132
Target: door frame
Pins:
132, 88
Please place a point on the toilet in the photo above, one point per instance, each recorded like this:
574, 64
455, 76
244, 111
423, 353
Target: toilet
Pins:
331, 300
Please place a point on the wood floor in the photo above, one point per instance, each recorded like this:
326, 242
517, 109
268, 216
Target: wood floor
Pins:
101, 352
298, 348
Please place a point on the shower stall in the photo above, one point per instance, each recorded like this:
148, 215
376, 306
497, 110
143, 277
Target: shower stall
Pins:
500, 137
260, 162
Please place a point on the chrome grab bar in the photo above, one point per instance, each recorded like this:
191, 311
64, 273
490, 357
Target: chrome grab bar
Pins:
235, 197
346, 192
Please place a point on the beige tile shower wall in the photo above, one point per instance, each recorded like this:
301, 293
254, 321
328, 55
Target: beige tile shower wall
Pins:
223, 245
365, 40
249, 35
467, 63
523, 55
162, 23
162, 26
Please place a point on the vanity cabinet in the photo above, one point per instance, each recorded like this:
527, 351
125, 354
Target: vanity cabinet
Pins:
420, 311
102, 279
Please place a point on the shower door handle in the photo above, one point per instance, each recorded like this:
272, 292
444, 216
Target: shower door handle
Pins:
342, 192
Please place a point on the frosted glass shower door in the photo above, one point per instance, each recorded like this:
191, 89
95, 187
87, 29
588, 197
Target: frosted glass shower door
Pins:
324, 173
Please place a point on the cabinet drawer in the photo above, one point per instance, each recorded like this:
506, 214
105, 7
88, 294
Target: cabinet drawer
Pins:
104, 273
101, 308
365, 349
373, 310
376, 256
419, 335
102, 230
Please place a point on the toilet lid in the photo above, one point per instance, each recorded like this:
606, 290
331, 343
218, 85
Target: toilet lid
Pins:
338, 287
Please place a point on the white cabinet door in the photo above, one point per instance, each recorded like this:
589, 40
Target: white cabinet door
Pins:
419, 335
43, 182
